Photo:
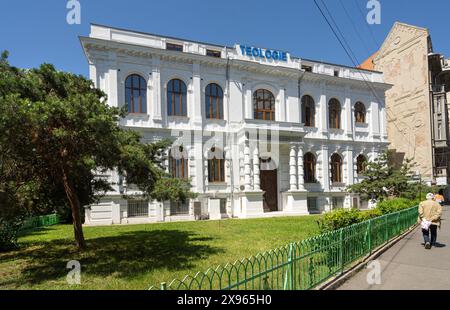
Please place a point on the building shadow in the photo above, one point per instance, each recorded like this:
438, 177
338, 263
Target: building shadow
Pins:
125, 256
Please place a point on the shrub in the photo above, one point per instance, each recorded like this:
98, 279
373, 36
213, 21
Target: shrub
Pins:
11, 220
9, 229
338, 219
341, 218
394, 205
368, 215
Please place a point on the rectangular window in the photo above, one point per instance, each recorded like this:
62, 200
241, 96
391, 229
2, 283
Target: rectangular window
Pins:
213, 53
440, 157
174, 47
336, 73
223, 206
137, 208
355, 203
312, 205
307, 68
337, 203
179, 208
439, 131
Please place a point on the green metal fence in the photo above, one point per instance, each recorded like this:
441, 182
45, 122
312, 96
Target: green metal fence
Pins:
302, 265
40, 221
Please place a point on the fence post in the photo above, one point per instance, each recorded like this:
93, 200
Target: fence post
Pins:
386, 235
163, 286
292, 250
341, 252
288, 275
370, 237
398, 230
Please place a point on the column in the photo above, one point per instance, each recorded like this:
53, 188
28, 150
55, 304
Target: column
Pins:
228, 168
241, 168
293, 168
192, 166
201, 163
383, 123
248, 104
374, 120
350, 166
323, 114
112, 80
196, 111
247, 167
326, 168
282, 106
113, 87
300, 171
156, 83
348, 117
256, 172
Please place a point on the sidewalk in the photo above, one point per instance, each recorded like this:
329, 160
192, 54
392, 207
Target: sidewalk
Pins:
408, 266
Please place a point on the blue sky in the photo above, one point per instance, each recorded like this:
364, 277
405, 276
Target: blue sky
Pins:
36, 31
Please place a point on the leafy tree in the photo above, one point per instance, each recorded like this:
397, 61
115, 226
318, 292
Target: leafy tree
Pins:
59, 133
383, 179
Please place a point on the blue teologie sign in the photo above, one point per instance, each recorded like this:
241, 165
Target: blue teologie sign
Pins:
267, 54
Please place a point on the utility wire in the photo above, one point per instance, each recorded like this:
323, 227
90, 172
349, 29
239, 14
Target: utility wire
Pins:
339, 30
355, 28
356, 65
377, 45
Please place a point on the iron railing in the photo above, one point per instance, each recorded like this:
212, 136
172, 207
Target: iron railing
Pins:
302, 265
137, 208
40, 221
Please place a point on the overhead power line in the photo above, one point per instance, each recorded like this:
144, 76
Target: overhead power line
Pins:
367, 25
349, 17
355, 62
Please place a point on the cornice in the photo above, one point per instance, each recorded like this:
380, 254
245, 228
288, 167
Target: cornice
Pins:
93, 45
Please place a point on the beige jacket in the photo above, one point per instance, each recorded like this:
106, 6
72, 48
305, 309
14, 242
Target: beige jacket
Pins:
431, 211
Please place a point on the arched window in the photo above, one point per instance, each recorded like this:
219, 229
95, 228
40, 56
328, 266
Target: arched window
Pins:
361, 164
336, 168
176, 98
214, 101
178, 162
216, 165
360, 113
264, 105
334, 110
308, 111
136, 94
309, 166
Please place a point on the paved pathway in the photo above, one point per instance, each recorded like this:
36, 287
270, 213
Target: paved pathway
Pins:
408, 266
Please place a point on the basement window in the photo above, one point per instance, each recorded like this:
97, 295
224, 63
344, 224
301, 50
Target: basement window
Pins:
307, 68
174, 47
213, 53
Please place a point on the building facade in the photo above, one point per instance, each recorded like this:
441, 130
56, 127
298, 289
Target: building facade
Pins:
417, 109
257, 131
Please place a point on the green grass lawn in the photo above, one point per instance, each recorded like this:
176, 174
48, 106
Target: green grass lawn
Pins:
138, 256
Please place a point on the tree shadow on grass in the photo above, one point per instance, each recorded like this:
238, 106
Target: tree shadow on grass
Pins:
125, 256
35, 231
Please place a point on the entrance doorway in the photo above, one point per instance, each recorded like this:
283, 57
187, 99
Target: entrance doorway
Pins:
269, 184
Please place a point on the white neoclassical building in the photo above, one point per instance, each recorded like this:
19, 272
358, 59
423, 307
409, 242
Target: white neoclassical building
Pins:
258, 131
